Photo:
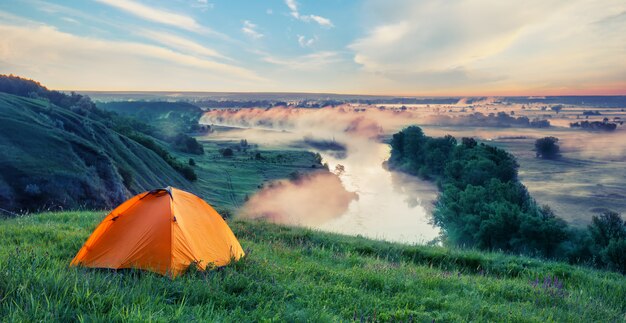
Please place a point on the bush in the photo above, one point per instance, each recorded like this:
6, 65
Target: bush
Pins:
147, 142
127, 176
227, 152
614, 255
547, 147
187, 144
187, 172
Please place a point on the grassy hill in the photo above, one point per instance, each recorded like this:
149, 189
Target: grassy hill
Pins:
168, 117
295, 275
53, 156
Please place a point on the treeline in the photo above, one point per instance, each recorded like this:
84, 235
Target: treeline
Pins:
594, 125
169, 121
500, 119
127, 126
484, 205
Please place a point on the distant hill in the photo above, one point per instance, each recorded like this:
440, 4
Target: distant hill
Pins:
67, 155
169, 118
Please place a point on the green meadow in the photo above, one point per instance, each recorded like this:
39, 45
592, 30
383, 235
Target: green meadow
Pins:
227, 182
295, 274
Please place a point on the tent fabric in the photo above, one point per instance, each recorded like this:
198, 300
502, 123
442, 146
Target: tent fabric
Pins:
164, 231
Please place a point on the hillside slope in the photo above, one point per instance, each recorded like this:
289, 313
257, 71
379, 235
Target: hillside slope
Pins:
55, 157
292, 274
169, 118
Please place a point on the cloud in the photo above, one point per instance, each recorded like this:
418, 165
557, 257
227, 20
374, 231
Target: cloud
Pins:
325, 22
304, 42
156, 15
315, 61
203, 5
250, 29
70, 20
531, 45
73, 62
294, 12
291, 4
180, 43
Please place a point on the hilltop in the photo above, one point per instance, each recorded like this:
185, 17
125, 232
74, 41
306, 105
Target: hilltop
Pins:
294, 274
60, 151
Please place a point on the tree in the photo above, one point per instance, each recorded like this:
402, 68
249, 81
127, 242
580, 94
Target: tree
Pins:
608, 232
606, 227
227, 152
547, 147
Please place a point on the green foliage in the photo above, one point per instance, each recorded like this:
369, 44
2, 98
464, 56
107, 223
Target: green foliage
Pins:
149, 143
606, 227
60, 151
608, 233
76, 161
225, 182
187, 144
482, 203
169, 118
547, 147
227, 152
294, 274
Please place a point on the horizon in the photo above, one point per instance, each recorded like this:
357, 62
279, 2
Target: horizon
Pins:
413, 49
344, 94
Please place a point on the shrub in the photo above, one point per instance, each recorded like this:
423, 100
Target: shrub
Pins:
547, 147
227, 152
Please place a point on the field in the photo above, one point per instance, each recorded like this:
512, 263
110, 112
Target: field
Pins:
226, 182
574, 186
295, 274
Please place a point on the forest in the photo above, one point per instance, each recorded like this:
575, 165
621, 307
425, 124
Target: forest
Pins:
482, 204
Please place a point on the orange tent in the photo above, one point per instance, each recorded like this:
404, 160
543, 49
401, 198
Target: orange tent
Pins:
164, 231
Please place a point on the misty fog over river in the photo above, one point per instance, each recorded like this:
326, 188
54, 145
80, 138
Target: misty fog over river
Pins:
388, 205
391, 206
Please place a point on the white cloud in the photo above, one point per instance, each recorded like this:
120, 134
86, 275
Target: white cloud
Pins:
491, 44
180, 43
325, 22
306, 42
250, 29
315, 61
293, 8
73, 62
203, 5
70, 20
157, 15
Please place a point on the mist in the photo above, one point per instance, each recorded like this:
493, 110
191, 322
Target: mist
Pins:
390, 205
308, 201
361, 198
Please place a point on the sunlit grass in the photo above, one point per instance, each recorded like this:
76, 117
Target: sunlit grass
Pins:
294, 274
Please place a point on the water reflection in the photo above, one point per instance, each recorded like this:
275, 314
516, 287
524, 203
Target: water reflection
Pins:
390, 206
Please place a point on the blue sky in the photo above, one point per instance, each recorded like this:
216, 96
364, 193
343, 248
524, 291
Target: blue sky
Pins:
402, 47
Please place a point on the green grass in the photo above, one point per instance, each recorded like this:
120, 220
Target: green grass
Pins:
293, 274
225, 182
73, 159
